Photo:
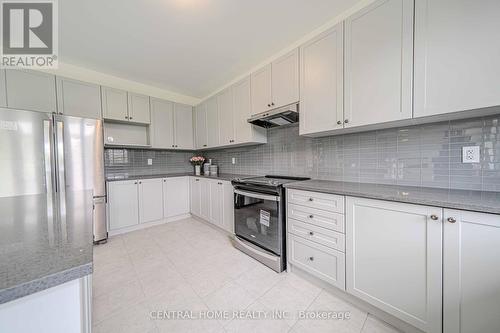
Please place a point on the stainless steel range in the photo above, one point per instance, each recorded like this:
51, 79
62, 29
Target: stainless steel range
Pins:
259, 218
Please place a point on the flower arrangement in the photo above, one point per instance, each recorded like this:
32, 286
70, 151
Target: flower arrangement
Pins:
197, 160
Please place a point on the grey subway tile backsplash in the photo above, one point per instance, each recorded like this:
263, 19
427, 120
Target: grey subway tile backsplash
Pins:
422, 155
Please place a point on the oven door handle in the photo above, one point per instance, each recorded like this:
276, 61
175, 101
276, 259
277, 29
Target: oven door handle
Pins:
258, 195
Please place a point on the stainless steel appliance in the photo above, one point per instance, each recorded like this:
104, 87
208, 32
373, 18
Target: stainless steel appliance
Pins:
46, 153
285, 115
259, 218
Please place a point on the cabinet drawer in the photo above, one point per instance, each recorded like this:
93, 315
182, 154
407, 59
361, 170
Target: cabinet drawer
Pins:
321, 218
321, 261
323, 236
329, 202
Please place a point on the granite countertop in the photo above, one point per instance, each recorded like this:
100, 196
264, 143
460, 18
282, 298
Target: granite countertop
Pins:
44, 242
126, 176
478, 201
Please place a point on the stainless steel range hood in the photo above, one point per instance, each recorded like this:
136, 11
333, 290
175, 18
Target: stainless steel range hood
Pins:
278, 117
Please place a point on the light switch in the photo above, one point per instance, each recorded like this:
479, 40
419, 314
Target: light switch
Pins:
471, 154
150, 161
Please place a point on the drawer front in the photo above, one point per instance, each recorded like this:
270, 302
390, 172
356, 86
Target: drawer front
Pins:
329, 202
318, 260
321, 218
332, 239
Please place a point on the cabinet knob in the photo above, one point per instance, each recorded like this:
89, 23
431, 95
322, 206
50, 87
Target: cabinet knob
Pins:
339, 122
204, 145
173, 146
135, 182
197, 179
311, 199
346, 121
164, 180
311, 258
434, 217
140, 182
311, 216
311, 233
451, 219
130, 118
272, 103
268, 105
126, 117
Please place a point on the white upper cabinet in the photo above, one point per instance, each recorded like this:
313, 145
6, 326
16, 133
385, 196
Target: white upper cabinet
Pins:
3, 90
201, 137
150, 200
244, 132
285, 79
321, 82
30, 90
226, 109
138, 108
471, 272
457, 54
379, 63
213, 122
394, 259
77, 98
114, 104
183, 128
162, 124
261, 90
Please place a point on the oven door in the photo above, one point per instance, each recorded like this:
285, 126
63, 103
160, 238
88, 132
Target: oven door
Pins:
257, 219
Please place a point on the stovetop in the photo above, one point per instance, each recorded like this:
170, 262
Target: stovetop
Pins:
270, 180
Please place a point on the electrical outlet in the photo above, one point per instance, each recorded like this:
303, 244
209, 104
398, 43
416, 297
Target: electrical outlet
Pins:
233, 160
150, 161
471, 154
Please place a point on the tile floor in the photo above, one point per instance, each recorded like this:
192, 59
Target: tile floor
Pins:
189, 265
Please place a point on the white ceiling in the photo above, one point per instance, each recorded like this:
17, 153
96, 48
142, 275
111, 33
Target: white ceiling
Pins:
191, 47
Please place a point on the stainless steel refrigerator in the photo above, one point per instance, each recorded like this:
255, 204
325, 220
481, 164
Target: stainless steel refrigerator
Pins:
49, 153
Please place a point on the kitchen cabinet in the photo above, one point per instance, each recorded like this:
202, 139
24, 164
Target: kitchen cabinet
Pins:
175, 196
226, 109
195, 195
276, 84
200, 115
394, 259
124, 134
216, 199
114, 104
456, 56
139, 108
183, 126
213, 122
379, 63
205, 202
3, 89
321, 82
150, 200
471, 272
123, 205
30, 90
162, 124
77, 98
227, 207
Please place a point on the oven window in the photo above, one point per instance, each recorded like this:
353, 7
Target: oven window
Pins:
257, 221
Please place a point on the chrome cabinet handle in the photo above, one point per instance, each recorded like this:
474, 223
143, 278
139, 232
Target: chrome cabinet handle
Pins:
311, 233
434, 217
451, 219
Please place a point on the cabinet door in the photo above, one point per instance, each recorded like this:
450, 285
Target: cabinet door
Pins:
226, 107
162, 124
393, 259
138, 108
261, 90
471, 272
195, 195
216, 203
3, 90
213, 122
201, 126
183, 129
114, 104
150, 200
77, 98
456, 55
205, 199
379, 63
30, 90
175, 196
242, 111
321, 82
123, 206
285, 79
228, 207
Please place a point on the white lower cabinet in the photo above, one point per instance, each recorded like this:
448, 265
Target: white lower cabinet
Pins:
205, 204
150, 200
394, 259
175, 196
471, 272
123, 208
195, 196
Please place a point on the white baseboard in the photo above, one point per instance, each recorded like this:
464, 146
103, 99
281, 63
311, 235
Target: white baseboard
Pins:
141, 226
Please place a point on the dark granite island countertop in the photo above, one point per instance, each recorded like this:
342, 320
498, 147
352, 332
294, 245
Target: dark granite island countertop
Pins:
125, 176
44, 242
478, 201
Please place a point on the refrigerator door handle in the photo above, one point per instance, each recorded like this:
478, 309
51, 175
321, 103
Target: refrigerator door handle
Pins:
48, 149
61, 183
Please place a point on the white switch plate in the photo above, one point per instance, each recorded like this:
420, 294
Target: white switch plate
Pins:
150, 161
233, 160
471, 154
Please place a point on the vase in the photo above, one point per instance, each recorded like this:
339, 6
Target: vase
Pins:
197, 170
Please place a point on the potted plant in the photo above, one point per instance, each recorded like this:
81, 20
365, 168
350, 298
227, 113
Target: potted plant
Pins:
197, 161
